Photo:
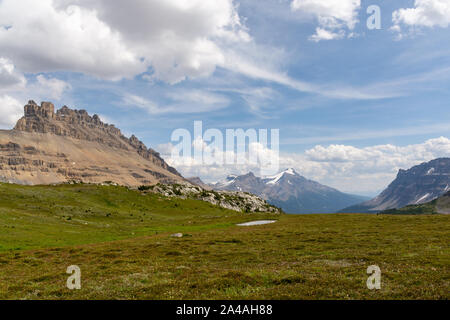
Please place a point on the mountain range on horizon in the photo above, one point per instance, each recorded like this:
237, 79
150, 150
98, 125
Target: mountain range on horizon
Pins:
420, 184
48, 147
291, 192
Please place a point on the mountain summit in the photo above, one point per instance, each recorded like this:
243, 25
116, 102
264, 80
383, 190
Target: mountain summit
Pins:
420, 184
291, 192
276, 179
70, 145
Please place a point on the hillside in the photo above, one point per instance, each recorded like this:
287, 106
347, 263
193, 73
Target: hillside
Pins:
48, 147
440, 205
417, 185
291, 192
123, 242
71, 214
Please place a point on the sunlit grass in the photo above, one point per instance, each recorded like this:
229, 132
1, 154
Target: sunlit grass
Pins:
129, 255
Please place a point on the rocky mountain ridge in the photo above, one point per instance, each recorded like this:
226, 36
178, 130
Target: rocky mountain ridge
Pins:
440, 205
290, 191
417, 185
70, 145
78, 124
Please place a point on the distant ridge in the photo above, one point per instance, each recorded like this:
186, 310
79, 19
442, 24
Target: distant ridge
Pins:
419, 184
70, 145
291, 192
440, 205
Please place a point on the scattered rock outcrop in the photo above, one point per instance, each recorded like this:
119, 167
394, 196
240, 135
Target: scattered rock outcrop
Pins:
236, 201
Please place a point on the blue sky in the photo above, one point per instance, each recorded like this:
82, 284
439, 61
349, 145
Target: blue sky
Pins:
350, 96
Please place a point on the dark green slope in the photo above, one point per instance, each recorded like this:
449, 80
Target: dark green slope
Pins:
437, 206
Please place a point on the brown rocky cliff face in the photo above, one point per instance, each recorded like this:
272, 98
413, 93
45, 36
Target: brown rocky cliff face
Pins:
80, 125
53, 147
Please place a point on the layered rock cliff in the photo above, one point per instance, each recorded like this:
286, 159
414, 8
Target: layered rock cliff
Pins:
70, 145
417, 185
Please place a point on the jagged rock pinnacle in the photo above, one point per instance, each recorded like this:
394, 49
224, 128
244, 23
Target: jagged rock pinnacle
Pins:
37, 150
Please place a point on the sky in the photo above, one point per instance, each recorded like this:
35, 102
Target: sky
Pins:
353, 104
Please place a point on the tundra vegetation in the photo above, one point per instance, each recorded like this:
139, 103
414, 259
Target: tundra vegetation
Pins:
121, 241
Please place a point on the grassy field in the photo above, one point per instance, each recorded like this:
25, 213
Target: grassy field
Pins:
121, 241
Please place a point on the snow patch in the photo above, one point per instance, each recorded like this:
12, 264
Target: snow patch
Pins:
429, 172
423, 198
256, 223
276, 178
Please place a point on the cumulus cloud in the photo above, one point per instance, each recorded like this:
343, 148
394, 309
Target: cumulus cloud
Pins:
214, 163
45, 38
115, 39
15, 90
10, 78
53, 87
323, 34
426, 13
381, 156
372, 168
348, 168
170, 40
11, 110
335, 17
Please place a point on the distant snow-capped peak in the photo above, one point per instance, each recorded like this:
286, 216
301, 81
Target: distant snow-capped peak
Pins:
274, 179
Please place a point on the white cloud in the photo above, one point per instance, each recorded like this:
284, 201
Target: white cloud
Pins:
368, 169
15, 90
11, 110
244, 65
258, 99
179, 101
168, 40
426, 13
323, 34
199, 97
334, 16
348, 168
115, 39
10, 78
44, 38
212, 165
54, 87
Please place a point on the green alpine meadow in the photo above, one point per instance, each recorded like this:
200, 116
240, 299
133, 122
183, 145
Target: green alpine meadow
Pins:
123, 242
224, 159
